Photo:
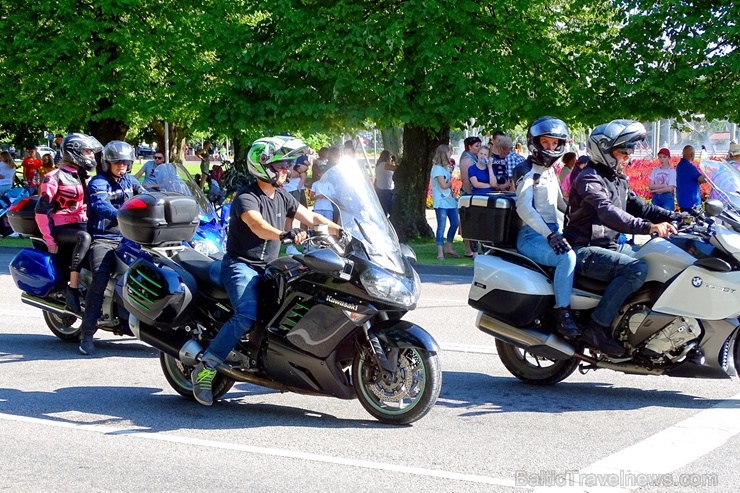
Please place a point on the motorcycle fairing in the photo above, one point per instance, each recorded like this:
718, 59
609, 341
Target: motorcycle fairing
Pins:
403, 334
703, 294
671, 256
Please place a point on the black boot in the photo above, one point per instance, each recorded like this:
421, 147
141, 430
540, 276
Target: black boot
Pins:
72, 300
564, 323
597, 337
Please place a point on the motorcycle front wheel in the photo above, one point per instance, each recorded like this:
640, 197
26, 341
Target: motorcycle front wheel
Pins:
65, 327
533, 369
178, 376
410, 394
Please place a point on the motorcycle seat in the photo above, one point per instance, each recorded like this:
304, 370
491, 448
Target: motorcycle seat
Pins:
205, 270
588, 284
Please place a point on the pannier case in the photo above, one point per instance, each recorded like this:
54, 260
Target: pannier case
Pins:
490, 218
158, 218
22, 217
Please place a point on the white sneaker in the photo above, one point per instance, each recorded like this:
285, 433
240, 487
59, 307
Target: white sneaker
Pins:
292, 250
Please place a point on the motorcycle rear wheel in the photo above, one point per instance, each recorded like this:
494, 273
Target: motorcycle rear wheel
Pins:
409, 397
178, 376
533, 369
65, 327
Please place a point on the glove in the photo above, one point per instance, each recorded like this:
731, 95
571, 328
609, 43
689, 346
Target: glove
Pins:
290, 236
558, 244
684, 217
345, 237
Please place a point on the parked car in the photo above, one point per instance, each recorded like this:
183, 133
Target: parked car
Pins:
41, 151
144, 151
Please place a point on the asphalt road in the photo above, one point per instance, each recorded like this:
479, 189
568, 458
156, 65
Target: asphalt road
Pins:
111, 423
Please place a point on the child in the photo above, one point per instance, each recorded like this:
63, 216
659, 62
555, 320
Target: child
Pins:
498, 165
663, 182
47, 165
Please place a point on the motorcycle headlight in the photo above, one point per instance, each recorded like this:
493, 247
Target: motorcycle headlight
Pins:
385, 286
205, 247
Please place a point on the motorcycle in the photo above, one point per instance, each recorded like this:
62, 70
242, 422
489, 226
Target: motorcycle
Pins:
210, 237
42, 278
6, 202
329, 321
683, 321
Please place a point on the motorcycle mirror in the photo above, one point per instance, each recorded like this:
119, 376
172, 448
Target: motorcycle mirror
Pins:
713, 207
324, 261
409, 253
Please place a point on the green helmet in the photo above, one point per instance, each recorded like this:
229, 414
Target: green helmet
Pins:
269, 153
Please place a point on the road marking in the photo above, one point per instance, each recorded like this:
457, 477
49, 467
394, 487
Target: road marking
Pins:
661, 454
467, 348
148, 435
31, 312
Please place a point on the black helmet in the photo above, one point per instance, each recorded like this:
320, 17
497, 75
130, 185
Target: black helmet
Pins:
117, 150
73, 146
621, 135
546, 126
268, 153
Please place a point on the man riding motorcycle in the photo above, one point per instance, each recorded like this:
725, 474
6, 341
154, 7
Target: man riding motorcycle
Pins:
602, 206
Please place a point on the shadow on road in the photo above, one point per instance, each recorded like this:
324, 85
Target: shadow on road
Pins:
35, 347
475, 394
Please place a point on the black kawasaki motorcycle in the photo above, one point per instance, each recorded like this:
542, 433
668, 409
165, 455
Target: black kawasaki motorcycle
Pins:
329, 321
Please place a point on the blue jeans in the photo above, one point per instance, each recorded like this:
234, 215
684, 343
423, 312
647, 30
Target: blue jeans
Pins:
535, 246
442, 216
620, 268
241, 282
664, 200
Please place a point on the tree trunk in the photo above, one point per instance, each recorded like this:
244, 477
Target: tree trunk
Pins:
412, 180
108, 129
177, 138
392, 140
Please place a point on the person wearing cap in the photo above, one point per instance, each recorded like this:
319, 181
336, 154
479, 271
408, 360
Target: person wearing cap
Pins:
688, 179
663, 181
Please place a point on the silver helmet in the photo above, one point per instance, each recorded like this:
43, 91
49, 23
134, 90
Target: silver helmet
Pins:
619, 135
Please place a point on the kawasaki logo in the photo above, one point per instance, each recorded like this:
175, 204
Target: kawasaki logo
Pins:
343, 304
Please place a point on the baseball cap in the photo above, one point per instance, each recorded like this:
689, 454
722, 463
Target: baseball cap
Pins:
665, 152
582, 159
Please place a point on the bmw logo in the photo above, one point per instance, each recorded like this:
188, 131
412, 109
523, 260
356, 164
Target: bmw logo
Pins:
696, 282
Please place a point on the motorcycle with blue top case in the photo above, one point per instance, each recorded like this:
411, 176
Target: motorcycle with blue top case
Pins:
329, 320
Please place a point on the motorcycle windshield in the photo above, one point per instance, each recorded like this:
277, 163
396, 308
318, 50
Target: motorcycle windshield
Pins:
173, 177
348, 187
725, 180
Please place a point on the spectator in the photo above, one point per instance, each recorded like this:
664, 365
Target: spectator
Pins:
444, 202
384, 169
150, 181
7, 172
31, 165
58, 138
511, 158
468, 159
321, 159
205, 162
349, 149
519, 149
663, 182
47, 166
569, 160
215, 194
688, 179
498, 165
320, 191
581, 163
481, 175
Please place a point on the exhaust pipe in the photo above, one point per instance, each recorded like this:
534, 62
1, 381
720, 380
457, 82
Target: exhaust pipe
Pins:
47, 305
538, 343
174, 342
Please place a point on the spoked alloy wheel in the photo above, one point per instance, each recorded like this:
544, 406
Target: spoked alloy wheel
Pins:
178, 376
65, 327
408, 396
533, 369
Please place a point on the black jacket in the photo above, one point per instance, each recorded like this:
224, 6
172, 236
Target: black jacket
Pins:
602, 206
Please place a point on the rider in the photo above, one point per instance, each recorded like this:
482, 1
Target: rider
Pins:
61, 211
538, 200
601, 207
107, 191
258, 215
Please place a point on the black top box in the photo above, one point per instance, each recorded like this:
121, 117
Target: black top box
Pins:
22, 217
490, 218
158, 218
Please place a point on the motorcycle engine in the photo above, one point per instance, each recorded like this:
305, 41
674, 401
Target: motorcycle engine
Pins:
672, 342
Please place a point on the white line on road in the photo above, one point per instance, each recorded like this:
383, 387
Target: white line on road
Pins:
148, 435
657, 456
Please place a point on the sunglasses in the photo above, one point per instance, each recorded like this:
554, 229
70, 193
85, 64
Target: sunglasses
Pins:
158, 157
119, 163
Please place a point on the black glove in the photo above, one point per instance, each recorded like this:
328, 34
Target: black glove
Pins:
684, 217
345, 237
290, 236
558, 244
